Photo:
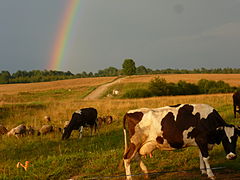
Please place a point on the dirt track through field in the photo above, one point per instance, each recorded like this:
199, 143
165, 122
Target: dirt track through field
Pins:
100, 90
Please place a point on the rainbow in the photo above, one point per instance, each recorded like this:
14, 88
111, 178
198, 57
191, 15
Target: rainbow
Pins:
63, 35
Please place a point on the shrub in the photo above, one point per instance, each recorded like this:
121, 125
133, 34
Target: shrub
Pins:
210, 87
159, 87
185, 88
137, 93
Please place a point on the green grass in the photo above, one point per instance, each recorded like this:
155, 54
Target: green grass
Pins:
124, 87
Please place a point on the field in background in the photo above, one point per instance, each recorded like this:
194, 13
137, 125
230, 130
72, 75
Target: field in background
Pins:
99, 155
231, 79
61, 84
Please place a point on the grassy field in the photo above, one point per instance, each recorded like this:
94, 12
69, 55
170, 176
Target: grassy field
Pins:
99, 155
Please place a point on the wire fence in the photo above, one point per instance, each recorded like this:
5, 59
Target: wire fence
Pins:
143, 174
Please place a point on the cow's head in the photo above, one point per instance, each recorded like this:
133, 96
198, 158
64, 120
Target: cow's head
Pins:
66, 133
229, 135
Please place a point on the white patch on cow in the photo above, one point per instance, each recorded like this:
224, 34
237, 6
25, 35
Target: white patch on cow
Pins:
231, 156
188, 141
78, 111
203, 109
143, 110
229, 132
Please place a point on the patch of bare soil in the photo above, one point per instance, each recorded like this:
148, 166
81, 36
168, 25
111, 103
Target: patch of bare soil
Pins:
100, 90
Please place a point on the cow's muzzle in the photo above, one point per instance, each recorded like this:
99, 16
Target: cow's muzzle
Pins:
231, 156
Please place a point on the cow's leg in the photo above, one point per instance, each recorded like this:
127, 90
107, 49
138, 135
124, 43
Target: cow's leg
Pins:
202, 164
127, 168
80, 132
142, 166
234, 109
209, 170
204, 152
95, 127
131, 152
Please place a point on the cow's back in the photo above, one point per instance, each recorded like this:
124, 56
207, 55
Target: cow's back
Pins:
83, 117
175, 125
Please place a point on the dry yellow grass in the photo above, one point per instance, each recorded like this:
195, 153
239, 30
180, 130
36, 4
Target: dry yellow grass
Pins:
42, 86
232, 79
61, 109
117, 107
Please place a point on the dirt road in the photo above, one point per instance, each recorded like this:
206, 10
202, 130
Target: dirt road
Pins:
100, 90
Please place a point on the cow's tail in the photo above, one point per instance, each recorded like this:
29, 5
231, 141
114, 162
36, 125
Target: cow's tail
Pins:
120, 165
125, 134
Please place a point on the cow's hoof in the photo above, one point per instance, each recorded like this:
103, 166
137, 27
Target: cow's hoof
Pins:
146, 176
212, 177
203, 172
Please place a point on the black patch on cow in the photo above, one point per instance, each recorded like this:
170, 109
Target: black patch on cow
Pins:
176, 105
204, 130
132, 119
173, 130
130, 151
160, 140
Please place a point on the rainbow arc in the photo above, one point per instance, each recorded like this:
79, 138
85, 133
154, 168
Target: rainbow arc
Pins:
63, 34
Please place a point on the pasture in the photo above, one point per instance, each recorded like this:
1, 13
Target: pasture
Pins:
99, 155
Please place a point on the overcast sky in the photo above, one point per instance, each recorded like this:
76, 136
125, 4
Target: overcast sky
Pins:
159, 34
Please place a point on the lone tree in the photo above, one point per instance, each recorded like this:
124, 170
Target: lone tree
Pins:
129, 67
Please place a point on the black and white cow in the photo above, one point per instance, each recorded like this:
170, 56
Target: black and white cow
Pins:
236, 103
175, 127
86, 117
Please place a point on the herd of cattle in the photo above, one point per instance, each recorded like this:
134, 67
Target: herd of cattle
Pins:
165, 128
88, 118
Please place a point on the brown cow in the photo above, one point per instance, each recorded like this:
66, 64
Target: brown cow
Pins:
105, 120
236, 103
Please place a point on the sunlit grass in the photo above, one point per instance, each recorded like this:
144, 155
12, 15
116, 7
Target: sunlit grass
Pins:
99, 155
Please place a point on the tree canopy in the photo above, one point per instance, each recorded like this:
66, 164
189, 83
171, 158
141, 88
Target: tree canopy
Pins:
129, 67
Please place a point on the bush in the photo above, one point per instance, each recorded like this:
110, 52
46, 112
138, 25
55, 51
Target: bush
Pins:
159, 87
185, 88
137, 93
210, 87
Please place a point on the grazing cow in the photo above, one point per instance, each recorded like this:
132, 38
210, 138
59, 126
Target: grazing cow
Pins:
18, 131
30, 130
3, 130
105, 120
175, 127
236, 102
45, 129
83, 118
47, 118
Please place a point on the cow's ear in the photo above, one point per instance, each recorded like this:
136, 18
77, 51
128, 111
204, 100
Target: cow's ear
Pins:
237, 129
220, 128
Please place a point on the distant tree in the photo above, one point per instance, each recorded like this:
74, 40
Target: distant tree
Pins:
159, 87
4, 77
141, 70
129, 67
111, 71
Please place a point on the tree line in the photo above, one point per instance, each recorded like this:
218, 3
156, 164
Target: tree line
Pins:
128, 68
160, 87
